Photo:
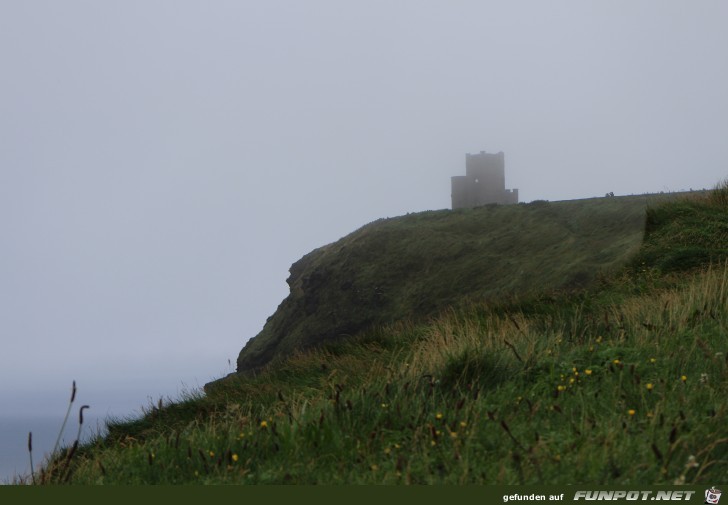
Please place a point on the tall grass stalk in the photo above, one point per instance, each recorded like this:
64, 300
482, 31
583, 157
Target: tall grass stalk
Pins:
65, 419
30, 455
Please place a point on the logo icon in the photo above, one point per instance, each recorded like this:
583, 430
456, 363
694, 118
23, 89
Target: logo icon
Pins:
712, 495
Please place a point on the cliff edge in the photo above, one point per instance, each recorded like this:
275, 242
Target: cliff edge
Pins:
414, 265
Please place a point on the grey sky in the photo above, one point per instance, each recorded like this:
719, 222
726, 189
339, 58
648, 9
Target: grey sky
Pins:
162, 163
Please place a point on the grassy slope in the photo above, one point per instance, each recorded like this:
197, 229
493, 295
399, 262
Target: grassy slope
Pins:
414, 265
622, 383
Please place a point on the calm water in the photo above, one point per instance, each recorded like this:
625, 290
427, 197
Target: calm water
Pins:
41, 411
14, 459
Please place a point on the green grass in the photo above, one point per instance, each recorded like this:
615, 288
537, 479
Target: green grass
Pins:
621, 382
687, 232
416, 265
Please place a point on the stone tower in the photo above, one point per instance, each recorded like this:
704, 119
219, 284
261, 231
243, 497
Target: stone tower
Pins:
484, 182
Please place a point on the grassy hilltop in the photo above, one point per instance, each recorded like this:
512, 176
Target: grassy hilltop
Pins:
411, 266
555, 343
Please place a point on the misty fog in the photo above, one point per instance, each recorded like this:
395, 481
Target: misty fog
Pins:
162, 163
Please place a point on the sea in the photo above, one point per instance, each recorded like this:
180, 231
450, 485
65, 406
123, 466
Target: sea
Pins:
41, 412
14, 454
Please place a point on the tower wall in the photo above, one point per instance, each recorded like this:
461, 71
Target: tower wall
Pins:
487, 168
461, 192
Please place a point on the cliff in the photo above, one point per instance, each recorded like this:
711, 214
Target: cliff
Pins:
412, 266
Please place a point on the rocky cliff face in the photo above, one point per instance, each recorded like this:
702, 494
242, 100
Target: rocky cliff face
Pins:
415, 265
336, 290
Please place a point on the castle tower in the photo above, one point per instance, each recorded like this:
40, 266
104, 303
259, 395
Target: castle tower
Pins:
484, 182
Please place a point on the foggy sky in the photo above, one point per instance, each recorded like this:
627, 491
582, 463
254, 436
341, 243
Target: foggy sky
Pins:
162, 163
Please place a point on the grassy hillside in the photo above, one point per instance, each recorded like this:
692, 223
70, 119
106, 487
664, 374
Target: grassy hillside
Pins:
414, 265
621, 382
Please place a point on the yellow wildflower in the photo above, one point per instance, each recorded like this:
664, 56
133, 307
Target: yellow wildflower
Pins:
649, 386
264, 424
631, 412
235, 457
683, 378
588, 371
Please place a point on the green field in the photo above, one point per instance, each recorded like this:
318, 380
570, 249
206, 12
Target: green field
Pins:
547, 343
